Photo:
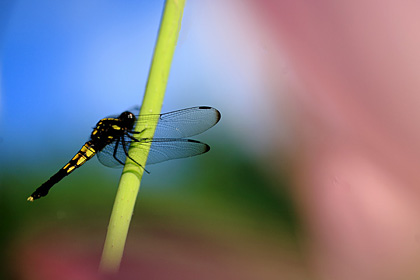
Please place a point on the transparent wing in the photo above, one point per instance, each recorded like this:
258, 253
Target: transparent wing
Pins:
167, 142
182, 123
164, 149
161, 149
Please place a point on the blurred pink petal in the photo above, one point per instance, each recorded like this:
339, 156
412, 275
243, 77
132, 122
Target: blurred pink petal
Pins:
357, 128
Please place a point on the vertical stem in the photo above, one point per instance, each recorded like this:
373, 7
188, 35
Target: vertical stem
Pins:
152, 103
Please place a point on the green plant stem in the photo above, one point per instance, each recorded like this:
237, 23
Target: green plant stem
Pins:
152, 103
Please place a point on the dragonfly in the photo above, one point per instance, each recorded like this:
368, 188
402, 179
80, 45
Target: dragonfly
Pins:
113, 136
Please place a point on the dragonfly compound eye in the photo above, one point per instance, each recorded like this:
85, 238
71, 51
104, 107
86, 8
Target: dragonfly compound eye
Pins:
128, 119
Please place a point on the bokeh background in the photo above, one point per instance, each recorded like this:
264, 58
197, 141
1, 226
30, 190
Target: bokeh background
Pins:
313, 169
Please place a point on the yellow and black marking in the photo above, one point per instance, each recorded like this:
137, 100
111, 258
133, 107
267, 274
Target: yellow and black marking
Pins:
85, 153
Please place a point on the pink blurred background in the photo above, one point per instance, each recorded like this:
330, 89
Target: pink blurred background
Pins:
356, 123
341, 77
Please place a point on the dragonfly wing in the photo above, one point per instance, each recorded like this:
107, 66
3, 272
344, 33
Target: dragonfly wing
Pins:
167, 143
182, 123
163, 149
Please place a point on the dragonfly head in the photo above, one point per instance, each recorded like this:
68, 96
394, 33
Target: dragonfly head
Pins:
128, 119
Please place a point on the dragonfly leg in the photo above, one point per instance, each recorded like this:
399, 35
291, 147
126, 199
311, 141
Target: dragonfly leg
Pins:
126, 152
134, 132
137, 132
133, 138
115, 152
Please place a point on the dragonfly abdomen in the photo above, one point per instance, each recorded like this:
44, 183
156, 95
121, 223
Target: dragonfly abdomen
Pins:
87, 151
84, 154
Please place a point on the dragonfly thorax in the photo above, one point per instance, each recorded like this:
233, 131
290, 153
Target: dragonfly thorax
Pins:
109, 129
